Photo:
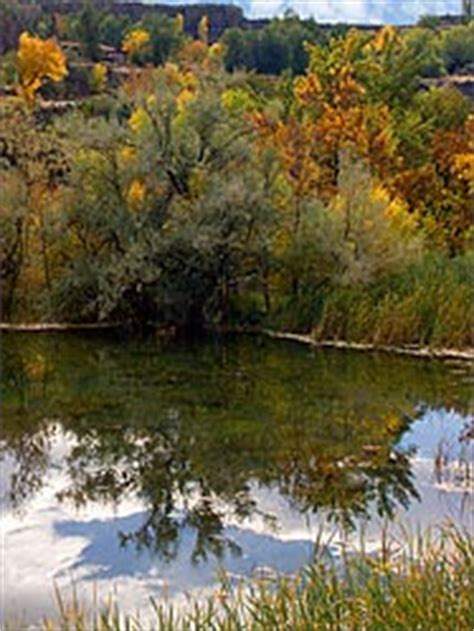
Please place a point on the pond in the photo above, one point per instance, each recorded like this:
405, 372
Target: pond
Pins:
145, 466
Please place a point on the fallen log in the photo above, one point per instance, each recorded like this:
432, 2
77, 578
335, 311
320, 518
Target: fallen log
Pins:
413, 351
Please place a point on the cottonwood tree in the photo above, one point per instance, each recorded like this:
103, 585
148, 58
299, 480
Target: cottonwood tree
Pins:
38, 60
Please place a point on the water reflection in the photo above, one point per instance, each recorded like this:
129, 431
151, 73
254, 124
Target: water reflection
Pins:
187, 455
101, 560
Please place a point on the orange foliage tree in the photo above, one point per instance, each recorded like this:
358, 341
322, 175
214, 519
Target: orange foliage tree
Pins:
360, 97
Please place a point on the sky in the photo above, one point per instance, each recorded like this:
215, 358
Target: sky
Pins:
354, 11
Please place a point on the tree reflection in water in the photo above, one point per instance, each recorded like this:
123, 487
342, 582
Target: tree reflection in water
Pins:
191, 431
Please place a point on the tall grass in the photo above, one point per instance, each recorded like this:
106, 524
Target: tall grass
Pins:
430, 303
424, 585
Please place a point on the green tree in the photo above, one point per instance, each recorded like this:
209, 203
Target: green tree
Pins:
166, 36
33, 171
458, 46
88, 29
165, 224
277, 47
424, 45
113, 28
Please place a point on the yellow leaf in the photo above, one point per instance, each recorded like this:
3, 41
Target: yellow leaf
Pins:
98, 78
183, 98
136, 194
127, 154
138, 120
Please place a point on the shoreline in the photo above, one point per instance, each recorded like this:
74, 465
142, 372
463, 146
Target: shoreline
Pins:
46, 327
423, 352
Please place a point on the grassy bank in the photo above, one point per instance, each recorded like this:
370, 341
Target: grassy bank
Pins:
427, 304
427, 586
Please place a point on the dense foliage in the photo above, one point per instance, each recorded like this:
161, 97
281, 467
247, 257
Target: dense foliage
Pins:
191, 195
278, 47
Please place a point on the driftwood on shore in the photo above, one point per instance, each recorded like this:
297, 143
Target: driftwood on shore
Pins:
466, 354
39, 327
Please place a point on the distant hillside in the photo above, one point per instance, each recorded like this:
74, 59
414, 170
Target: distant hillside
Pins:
221, 16
360, 12
17, 14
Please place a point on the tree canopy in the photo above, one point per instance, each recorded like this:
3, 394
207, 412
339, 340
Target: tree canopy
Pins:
193, 195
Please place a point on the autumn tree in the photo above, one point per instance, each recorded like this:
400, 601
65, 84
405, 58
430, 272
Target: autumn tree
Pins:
136, 43
38, 60
359, 97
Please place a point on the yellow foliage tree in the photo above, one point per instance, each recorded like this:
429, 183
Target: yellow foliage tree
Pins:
98, 78
136, 42
203, 29
179, 23
37, 60
333, 96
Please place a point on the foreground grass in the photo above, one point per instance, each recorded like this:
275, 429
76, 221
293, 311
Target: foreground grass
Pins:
424, 585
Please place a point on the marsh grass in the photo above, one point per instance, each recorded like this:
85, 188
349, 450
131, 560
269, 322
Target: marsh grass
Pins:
427, 304
417, 582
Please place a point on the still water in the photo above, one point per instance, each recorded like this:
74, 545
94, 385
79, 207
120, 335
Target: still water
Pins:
144, 467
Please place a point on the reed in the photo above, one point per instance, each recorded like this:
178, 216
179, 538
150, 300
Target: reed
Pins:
427, 304
419, 582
